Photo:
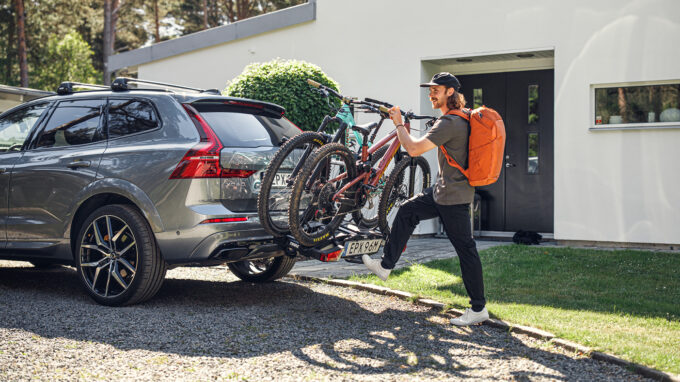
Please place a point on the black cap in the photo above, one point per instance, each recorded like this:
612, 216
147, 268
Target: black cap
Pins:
444, 78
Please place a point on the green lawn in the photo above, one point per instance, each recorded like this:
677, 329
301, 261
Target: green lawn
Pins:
625, 303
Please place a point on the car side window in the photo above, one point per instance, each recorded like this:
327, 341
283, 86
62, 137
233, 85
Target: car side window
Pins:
130, 116
73, 123
14, 128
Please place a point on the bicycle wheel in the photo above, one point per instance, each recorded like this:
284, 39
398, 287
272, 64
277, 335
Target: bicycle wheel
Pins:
277, 181
313, 215
368, 215
409, 178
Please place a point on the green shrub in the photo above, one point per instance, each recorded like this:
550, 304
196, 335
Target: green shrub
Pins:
284, 82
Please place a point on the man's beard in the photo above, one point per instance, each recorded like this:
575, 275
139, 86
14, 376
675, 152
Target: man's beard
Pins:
437, 103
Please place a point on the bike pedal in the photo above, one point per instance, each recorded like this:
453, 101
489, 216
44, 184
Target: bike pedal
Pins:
346, 201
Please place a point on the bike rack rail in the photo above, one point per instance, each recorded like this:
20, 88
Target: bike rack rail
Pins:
333, 248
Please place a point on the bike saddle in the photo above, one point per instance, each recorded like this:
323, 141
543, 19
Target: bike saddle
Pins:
365, 128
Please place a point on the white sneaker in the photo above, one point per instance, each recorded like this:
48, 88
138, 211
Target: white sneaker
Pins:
375, 267
470, 317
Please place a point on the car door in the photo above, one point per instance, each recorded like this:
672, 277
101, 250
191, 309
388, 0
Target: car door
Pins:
61, 161
14, 129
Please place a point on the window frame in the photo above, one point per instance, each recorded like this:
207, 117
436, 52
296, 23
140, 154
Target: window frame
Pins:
54, 107
136, 98
629, 126
38, 124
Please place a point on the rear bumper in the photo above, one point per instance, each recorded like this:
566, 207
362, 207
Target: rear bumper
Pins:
216, 243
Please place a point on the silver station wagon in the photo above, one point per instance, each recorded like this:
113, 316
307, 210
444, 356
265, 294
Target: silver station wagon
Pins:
124, 183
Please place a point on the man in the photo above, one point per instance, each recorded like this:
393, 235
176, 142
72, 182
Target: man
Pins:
448, 200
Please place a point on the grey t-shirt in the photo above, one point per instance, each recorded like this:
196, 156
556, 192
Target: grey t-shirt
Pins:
452, 186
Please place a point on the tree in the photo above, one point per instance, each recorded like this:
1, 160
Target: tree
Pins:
284, 82
197, 15
8, 47
71, 60
21, 41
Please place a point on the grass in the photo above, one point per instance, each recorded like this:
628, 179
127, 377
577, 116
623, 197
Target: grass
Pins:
625, 303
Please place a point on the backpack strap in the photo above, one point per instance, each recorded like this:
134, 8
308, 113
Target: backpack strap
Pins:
465, 114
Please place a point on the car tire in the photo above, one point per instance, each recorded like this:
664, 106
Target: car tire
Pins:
261, 271
117, 258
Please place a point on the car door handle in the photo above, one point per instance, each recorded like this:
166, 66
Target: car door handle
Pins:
79, 164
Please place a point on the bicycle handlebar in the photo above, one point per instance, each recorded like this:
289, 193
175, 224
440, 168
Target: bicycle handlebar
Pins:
325, 88
380, 106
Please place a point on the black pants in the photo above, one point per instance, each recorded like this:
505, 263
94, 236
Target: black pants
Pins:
456, 220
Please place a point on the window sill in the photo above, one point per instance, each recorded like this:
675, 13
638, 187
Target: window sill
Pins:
636, 126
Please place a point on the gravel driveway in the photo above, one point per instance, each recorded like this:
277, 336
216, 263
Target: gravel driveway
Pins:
206, 325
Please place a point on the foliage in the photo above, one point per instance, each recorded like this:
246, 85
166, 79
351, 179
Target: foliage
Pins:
190, 15
135, 26
622, 302
284, 82
70, 60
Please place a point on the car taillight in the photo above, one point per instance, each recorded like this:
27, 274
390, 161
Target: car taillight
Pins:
203, 160
331, 256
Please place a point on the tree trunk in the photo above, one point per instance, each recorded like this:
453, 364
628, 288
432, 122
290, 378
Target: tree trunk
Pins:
243, 9
9, 54
107, 51
229, 5
205, 14
21, 34
623, 105
157, 23
111, 9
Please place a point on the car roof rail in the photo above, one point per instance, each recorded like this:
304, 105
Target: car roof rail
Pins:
121, 84
67, 87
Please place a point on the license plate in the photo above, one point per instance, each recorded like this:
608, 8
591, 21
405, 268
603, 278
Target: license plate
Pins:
281, 180
362, 247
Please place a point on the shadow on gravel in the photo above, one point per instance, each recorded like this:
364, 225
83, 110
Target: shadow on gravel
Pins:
243, 320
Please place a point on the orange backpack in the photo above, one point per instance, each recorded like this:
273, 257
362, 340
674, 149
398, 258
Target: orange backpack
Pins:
485, 147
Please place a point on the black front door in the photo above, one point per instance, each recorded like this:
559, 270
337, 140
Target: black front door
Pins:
522, 199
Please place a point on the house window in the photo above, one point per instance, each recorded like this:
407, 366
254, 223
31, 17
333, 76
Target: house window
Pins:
477, 98
533, 104
532, 153
637, 105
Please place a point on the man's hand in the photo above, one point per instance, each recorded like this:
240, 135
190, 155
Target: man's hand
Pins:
395, 116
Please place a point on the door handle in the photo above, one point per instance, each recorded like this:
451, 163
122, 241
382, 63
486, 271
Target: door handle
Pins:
508, 165
79, 164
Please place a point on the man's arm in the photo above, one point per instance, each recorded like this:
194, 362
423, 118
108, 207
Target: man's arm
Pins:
413, 146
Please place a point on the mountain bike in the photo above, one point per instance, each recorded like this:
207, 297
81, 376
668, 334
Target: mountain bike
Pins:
333, 183
280, 173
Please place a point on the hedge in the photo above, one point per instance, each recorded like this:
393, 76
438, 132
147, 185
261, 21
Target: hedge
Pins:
284, 82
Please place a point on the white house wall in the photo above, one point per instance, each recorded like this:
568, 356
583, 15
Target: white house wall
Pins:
620, 186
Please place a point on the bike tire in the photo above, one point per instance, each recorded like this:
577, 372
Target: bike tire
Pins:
266, 203
311, 179
402, 185
363, 218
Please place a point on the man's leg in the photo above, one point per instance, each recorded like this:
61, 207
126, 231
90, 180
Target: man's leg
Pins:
416, 209
456, 220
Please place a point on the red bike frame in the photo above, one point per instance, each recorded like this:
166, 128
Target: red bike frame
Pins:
382, 166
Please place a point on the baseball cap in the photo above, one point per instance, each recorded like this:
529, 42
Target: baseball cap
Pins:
443, 78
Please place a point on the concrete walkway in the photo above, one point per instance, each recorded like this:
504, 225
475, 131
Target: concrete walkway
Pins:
418, 250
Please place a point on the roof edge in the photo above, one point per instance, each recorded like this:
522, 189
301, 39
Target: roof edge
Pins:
219, 35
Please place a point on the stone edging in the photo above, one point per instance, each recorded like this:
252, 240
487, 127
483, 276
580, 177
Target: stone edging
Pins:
532, 332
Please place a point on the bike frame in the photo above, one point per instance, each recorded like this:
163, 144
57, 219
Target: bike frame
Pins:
365, 176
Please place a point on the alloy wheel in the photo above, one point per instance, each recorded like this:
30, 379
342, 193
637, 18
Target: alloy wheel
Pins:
108, 256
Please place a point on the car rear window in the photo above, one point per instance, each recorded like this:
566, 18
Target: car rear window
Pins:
240, 127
